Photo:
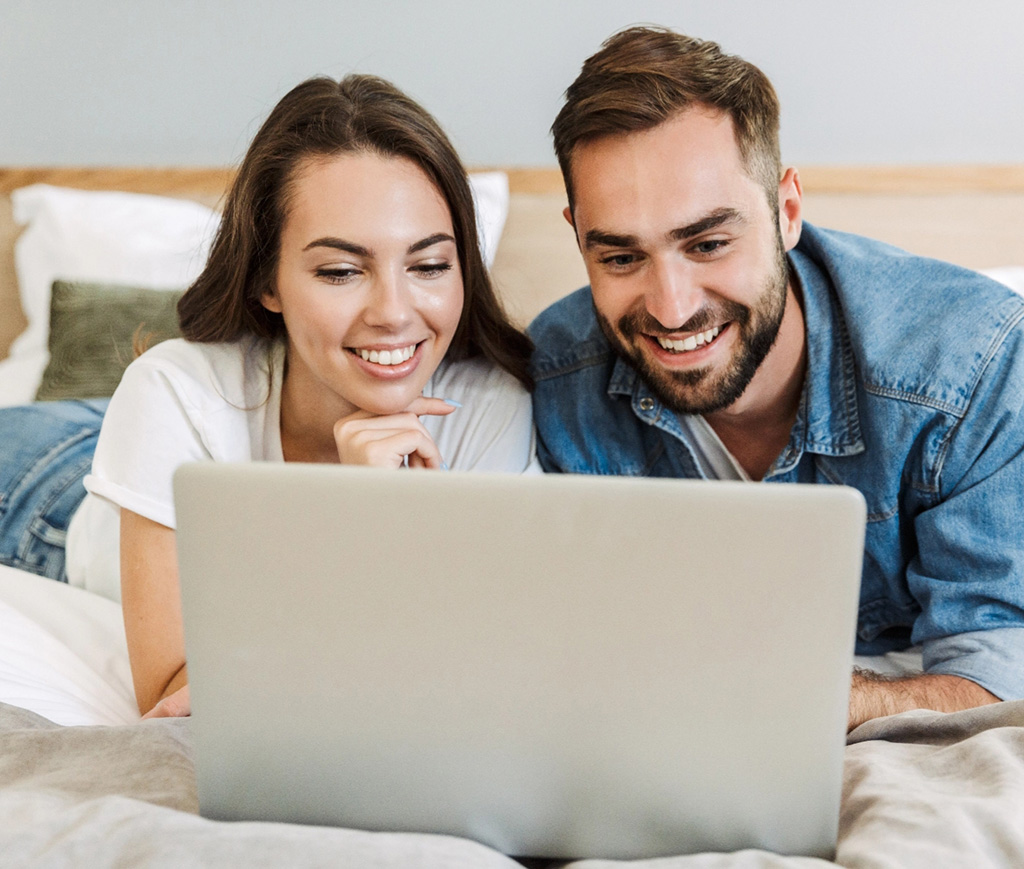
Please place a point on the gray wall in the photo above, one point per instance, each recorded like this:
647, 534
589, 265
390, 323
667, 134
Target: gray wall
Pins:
185, 82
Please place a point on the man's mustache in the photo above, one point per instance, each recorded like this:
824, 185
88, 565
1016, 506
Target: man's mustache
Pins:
641, 322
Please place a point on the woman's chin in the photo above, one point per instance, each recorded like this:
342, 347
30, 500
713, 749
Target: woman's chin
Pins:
386, 406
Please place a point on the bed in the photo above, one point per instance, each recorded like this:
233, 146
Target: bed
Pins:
82, 782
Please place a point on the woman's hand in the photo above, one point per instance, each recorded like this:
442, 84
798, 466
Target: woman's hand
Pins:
176, 705
386, 441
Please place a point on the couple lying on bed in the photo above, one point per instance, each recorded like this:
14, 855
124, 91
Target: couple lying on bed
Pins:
345, 315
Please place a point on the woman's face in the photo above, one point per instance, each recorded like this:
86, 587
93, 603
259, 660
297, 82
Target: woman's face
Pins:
368, 283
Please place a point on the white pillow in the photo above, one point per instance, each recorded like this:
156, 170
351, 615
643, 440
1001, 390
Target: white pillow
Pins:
137, 240
1012, 276
108, 237
490, 194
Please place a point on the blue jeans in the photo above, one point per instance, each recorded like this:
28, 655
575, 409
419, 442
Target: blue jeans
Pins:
45, 452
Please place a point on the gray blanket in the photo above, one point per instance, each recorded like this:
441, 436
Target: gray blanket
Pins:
920, 790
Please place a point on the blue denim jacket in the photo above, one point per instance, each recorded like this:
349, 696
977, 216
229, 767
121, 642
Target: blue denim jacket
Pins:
914, 395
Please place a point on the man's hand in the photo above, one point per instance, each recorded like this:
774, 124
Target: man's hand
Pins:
873, 695
176, 705
385, 441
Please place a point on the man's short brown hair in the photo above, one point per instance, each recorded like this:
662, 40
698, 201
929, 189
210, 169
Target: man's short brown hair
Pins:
644, 76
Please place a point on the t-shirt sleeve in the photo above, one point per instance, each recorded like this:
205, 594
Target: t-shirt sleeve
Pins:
151, 427
493, 429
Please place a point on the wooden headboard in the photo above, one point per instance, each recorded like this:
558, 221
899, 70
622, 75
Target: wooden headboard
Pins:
969, 215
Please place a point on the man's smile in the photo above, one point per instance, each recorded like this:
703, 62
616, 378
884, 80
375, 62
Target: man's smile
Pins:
685, 345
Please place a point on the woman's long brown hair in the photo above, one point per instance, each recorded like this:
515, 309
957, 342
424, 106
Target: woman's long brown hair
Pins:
323, 118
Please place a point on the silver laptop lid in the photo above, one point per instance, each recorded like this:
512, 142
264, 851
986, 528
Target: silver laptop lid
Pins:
555, 666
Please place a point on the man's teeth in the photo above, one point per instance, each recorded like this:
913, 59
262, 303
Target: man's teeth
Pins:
388, 357
691, 343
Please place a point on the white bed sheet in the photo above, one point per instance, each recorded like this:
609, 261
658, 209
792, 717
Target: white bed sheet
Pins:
63, 653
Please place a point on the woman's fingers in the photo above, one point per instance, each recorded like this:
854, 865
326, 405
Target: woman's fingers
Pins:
176, 705
423, 406
391, 440
385, 441
389, 448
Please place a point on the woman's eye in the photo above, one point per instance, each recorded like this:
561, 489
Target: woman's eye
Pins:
336, 275
432, 270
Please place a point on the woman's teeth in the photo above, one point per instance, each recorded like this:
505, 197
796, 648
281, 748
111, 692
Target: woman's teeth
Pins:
387, 357
691, 343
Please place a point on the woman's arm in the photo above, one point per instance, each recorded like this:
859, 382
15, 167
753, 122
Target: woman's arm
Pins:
151, 600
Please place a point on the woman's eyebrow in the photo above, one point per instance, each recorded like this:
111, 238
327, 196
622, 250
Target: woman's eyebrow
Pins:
429, 241
359, 250
340, 244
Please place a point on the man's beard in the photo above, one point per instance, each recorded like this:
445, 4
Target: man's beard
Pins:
701, 391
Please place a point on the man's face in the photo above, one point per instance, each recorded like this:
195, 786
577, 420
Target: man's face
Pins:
685, 257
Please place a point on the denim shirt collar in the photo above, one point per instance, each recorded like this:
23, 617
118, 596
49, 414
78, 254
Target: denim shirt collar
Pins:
626, 381
828, 422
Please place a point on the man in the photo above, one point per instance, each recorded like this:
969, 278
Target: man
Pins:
721, 337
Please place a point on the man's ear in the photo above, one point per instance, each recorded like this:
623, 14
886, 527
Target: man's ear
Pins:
567, 214
791, 195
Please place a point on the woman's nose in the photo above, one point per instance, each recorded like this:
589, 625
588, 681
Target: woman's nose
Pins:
389, 303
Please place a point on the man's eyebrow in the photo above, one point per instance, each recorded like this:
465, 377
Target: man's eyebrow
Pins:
710, 221
429, 241
600, 238
340, 244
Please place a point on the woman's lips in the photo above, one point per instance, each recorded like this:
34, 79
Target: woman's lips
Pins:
388, 362
392, 356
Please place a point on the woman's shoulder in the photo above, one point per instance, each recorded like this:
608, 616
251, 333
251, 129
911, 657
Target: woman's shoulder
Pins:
230, 369
187, 356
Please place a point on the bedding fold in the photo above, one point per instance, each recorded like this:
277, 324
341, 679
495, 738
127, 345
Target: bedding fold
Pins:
921, 789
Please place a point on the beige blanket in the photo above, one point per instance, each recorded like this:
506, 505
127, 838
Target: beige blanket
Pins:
921, 790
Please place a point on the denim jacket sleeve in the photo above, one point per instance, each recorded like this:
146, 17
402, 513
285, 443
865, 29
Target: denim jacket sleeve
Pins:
968, 572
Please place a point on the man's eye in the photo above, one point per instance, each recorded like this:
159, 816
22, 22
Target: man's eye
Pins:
707, 247
619, 260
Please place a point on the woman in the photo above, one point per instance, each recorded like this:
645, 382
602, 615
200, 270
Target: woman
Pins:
344, 315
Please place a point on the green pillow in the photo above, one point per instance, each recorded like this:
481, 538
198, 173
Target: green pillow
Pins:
93, 332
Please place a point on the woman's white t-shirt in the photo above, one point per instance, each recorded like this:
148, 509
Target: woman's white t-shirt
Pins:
183, 402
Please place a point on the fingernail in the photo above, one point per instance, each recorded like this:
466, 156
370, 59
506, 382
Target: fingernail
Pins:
444, 465
451, 401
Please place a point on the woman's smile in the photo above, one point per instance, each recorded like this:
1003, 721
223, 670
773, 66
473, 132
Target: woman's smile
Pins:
387, 363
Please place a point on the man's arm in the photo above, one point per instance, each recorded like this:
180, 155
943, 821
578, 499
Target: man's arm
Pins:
967, 569
873, 695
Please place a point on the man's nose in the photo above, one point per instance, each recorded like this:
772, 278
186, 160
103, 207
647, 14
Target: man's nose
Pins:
673, 295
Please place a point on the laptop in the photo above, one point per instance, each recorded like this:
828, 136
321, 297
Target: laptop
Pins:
555, 666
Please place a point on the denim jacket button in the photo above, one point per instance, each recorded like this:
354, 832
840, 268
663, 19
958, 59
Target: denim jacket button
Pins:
646, 404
